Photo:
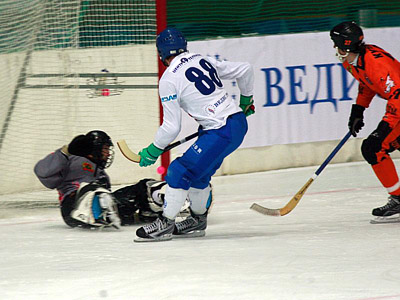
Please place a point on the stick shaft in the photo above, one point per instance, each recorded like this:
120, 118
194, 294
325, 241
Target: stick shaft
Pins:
132, 156
296, 198
177, 143
333, 153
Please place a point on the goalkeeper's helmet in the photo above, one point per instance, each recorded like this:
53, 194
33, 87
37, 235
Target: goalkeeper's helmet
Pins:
348, 36
170, 42
103, 148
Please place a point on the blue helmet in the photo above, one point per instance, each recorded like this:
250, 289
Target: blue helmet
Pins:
170, 42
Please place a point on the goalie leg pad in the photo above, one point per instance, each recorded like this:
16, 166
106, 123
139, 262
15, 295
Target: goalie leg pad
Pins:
95, 206
110, 210
156, 191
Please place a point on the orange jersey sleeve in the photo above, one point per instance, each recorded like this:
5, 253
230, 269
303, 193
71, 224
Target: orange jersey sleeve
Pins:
365, 95
378, 73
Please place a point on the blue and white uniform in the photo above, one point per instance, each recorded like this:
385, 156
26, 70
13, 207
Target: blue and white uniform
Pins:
192, 83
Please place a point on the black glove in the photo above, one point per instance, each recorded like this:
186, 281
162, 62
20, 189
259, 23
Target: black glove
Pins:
81, 145
356, 120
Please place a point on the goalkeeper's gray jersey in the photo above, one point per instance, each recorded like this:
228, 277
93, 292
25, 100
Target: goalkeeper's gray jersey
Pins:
193, 83
66, 173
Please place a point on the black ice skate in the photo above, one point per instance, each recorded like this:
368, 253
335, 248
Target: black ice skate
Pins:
160, 230
389, 213
192, 226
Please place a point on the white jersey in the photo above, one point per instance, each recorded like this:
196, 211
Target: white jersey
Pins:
193, 82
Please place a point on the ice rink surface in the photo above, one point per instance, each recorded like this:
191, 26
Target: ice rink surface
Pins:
324, 249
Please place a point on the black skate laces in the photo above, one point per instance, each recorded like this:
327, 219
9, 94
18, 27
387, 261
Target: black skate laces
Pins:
156, 225
185, 224
392, 203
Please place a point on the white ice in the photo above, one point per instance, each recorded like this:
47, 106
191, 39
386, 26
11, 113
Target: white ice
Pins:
324, 249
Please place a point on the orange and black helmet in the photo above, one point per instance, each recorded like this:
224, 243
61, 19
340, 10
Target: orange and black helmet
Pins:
348, 36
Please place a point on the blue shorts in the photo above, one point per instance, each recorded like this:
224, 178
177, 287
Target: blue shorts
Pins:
196, 166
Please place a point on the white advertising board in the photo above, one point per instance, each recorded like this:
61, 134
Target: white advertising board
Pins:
302, 93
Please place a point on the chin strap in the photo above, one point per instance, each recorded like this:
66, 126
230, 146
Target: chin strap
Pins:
341, 57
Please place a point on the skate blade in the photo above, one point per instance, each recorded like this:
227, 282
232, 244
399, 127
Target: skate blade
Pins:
191, 234
384, 220
165, 237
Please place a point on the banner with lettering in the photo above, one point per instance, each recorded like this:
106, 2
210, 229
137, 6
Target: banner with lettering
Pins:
301, 91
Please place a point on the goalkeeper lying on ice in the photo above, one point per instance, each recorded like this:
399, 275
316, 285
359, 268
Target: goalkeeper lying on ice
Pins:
77, 171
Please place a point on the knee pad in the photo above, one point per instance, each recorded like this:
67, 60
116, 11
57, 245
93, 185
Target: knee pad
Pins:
368, 153
177, 176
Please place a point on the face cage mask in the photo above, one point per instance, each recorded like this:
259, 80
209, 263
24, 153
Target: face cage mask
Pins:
341, 57
110, 157
100, 162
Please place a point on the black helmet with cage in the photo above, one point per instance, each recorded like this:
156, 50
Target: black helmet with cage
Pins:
348, 36
98, 139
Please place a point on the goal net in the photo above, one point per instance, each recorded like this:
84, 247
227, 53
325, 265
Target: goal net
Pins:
238, 18
68, 67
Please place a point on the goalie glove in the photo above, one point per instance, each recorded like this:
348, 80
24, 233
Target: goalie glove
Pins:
247, 105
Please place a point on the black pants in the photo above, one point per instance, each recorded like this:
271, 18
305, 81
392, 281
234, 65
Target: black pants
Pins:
129, 199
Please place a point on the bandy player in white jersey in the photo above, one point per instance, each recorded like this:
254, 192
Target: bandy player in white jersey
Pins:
193, 83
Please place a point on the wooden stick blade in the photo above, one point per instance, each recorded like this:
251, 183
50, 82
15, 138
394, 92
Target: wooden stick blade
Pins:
287, 208
265, 211
295, 200
128, 153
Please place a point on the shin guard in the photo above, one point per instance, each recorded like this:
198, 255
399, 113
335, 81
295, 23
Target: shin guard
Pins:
387, 175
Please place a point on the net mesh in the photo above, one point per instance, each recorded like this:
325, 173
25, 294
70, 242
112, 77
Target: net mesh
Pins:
68, 67
211, 18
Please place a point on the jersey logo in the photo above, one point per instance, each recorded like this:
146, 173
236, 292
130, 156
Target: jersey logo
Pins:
87, 167
184, 60
376, 53
169, 98
196, 148
389, 84
210, 109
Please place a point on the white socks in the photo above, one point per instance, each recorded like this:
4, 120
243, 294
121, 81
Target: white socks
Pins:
198, 200
174, 200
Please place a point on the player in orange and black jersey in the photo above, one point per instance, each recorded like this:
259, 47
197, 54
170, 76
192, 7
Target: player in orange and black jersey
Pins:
378, 73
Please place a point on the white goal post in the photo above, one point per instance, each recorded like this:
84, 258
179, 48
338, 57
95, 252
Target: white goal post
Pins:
68, 67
